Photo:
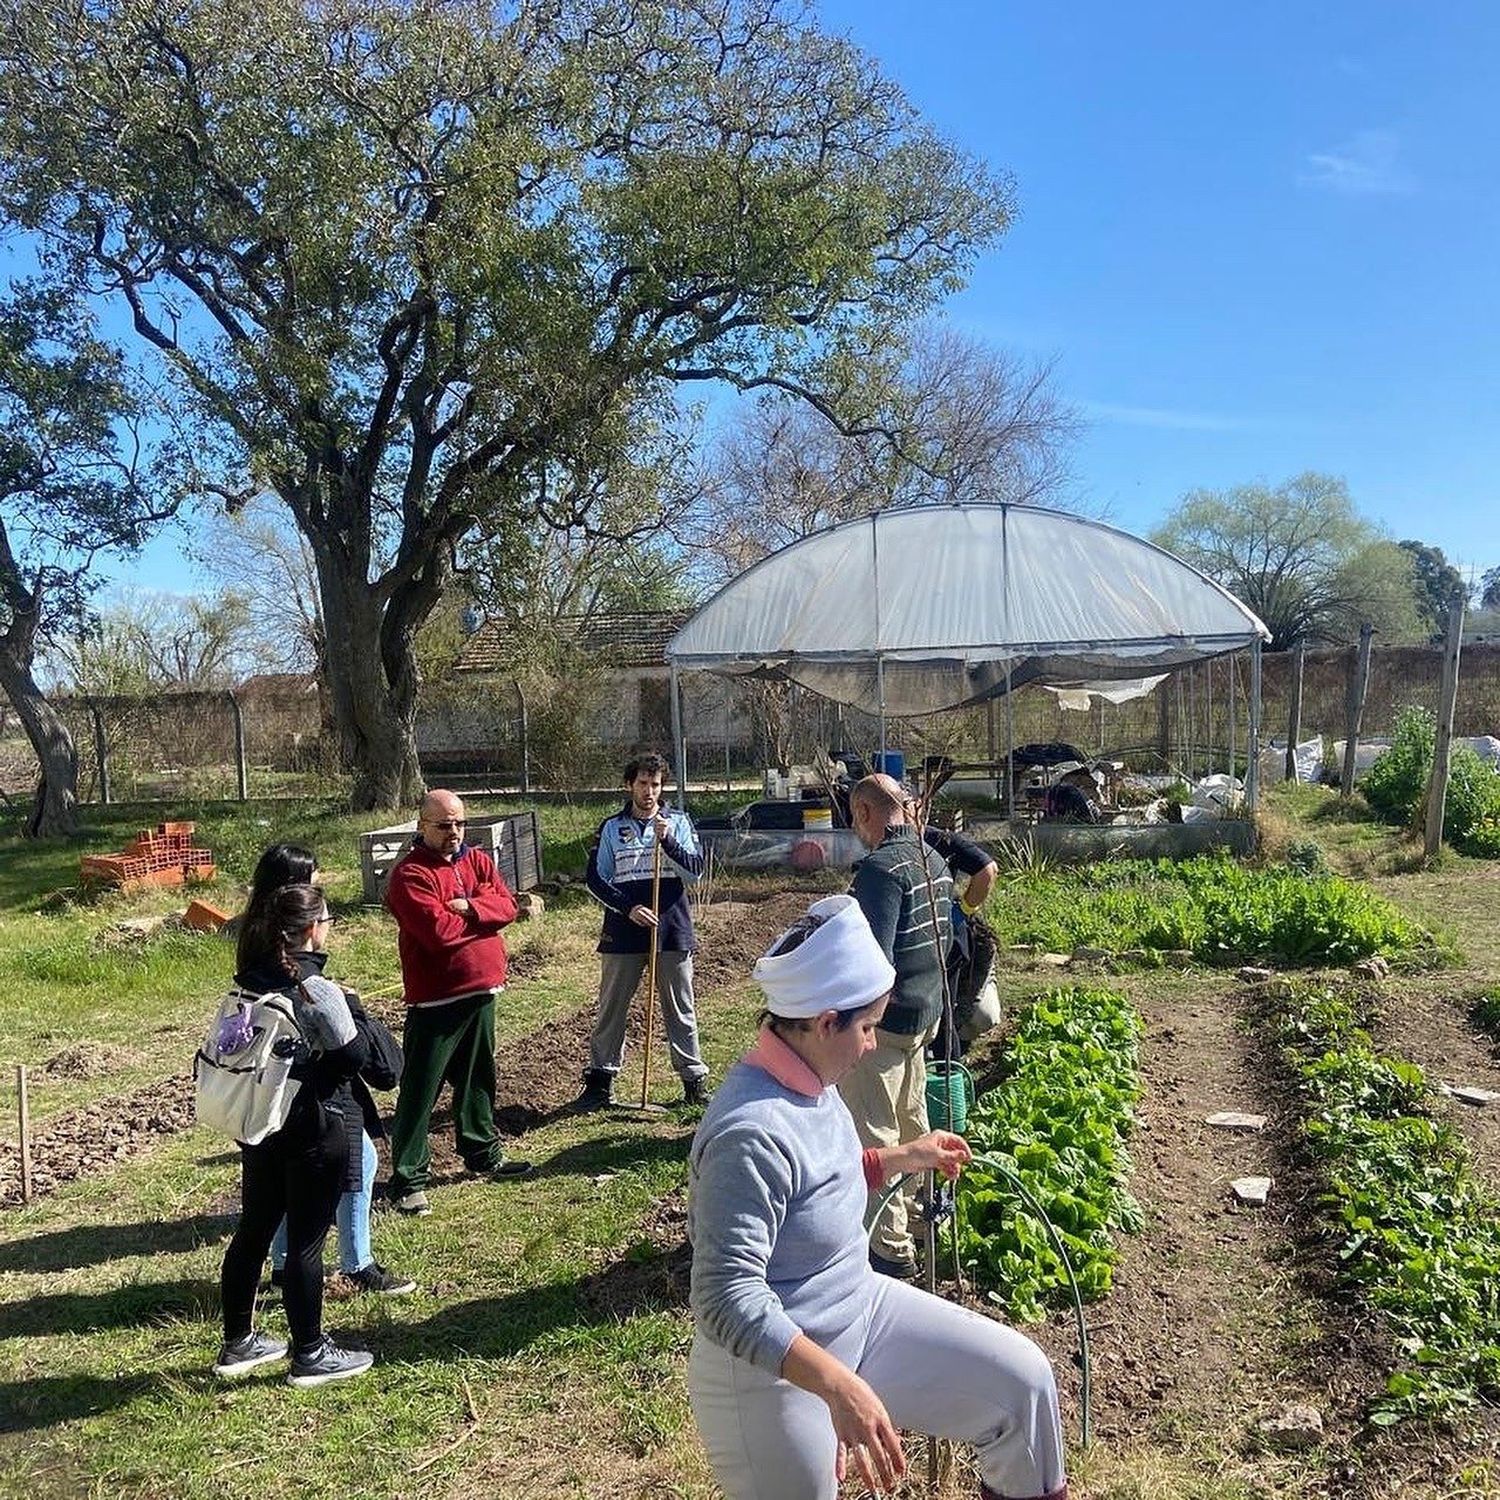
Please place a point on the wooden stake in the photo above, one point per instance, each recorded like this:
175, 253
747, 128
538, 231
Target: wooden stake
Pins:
1442, 751
651, 967
25, 1112
1294, 711
1359, 682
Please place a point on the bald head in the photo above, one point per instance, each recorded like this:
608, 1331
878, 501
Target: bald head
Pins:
440, 821
876, 803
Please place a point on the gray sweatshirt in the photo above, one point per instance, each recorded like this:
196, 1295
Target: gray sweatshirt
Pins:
776, 1199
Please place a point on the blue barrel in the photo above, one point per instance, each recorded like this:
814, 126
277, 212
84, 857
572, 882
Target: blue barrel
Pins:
892, 762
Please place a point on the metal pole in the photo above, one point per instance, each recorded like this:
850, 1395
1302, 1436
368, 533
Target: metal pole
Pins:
525, 742
679, 744
1010, 751
1234, 744
1252, 766
880, 694
726, 734
242, 771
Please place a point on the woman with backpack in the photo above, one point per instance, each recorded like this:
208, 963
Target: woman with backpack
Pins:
299, 1171
291, 864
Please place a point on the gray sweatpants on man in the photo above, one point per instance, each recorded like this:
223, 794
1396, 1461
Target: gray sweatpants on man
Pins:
674, 988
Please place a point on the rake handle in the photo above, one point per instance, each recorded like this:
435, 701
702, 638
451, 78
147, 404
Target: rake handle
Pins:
651, 968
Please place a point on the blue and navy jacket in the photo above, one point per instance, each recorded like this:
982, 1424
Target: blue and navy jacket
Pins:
620, 877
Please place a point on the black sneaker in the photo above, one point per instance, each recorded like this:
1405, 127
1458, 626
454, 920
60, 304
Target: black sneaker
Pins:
326, 1363
696, 1091
239, 1356
375, 1278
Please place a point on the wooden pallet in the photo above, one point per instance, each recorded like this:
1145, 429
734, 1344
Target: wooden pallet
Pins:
513, 841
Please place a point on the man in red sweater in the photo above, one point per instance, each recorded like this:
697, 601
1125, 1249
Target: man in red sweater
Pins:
449, 903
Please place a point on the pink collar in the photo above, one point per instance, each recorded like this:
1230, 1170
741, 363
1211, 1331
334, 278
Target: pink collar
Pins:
774, 1056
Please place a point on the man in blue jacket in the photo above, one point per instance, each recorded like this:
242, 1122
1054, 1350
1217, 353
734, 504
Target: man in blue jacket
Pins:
619, 875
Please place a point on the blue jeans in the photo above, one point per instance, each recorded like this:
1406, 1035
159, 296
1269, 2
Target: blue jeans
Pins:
352, 1218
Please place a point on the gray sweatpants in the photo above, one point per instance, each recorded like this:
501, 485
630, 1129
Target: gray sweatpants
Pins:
674, 988
939, 1369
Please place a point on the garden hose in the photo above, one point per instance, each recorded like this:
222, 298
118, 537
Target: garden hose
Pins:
993, 1164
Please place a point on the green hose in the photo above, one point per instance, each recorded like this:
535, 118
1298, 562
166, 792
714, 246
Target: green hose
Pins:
998, 1167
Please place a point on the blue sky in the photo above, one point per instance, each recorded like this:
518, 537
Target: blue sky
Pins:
1257, 239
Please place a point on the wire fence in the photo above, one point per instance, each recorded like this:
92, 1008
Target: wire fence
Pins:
271, 737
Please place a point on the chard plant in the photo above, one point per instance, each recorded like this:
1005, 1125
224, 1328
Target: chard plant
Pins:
1059, 1123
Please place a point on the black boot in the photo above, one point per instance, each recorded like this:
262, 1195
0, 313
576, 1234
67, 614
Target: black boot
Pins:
598, 1090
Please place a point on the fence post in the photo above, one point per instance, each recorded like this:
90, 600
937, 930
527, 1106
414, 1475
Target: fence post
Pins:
25, 1126
1442, 750
525, 742
1294, 711
1359, 682
241, 770
101, 755
1164, 691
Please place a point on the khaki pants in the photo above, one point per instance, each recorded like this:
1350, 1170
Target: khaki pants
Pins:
887, 1095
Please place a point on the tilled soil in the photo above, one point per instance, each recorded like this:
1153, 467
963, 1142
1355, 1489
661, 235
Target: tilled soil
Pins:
539, 1074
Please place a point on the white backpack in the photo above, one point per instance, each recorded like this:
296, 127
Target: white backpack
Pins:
243, 1070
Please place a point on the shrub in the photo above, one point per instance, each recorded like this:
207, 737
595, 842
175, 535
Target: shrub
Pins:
1396, 786
1397, 781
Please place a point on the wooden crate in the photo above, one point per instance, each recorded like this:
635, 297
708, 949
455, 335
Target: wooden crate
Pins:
512, 840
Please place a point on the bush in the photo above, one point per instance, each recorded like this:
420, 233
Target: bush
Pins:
1396, 786
1397, 781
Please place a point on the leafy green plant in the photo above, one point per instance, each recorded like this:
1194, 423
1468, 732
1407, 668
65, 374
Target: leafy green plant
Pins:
1419, 1234
1220, 910
1396, 786
1058, 1123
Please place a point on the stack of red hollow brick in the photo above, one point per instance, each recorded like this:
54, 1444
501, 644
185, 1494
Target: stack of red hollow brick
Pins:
166, 857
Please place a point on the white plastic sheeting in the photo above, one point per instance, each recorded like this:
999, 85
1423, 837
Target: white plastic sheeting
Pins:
916, 610
1081, 697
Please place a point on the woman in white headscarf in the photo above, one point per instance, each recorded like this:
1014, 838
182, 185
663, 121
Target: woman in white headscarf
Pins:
805, 1363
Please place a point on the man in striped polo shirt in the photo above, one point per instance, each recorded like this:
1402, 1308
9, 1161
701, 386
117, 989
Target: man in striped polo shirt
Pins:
904, 890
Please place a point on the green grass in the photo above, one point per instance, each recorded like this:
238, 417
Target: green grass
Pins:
544, 1355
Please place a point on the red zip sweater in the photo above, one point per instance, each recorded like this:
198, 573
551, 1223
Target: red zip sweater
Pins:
447, 953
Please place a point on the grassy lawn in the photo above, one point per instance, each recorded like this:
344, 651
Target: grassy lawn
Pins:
543, 1354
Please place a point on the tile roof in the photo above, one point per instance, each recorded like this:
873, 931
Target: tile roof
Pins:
635, 638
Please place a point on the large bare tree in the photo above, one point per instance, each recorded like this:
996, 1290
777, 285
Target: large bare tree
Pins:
961, 420
419, 262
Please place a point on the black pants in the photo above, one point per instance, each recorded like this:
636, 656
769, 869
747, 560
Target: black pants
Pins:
297, 1174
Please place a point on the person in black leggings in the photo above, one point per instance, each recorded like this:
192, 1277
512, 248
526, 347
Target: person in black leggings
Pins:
299, 1172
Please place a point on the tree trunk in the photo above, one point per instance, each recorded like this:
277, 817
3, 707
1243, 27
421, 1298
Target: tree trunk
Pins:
375, 707
54, 811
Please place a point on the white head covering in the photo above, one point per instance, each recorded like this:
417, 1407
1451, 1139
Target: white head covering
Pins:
838, 966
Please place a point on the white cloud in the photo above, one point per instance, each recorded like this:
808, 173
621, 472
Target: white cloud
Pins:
1366, 165
1163, 417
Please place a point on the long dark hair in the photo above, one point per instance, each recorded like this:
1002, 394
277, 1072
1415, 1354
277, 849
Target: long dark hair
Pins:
281, 864
273, 933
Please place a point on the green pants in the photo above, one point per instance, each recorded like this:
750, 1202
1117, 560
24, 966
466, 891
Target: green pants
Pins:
453, 1044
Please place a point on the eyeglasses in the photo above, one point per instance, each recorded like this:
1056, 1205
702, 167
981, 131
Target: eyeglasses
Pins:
444, 823
324, 916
